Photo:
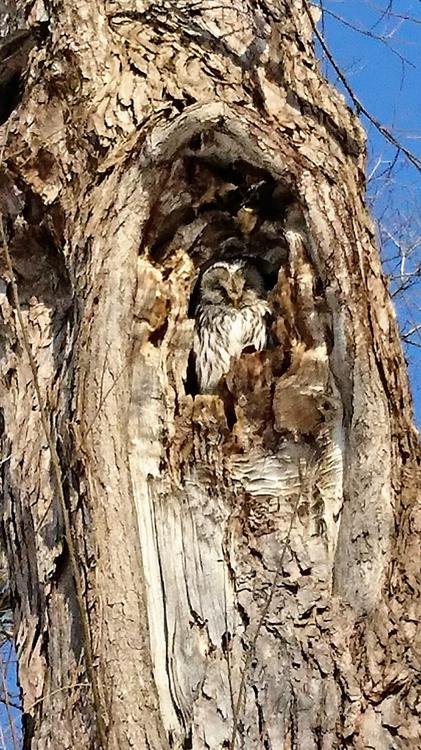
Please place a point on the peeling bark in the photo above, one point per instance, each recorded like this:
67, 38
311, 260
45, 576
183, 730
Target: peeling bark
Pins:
248, 561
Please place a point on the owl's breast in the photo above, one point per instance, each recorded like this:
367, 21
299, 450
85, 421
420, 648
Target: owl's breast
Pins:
222, 334
233, 329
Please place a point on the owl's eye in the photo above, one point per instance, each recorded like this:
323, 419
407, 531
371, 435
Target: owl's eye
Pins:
216, 281
223, 290
217, 285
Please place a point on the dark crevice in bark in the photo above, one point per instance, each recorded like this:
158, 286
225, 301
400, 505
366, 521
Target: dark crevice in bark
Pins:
14, 52
188, 742
10, 93
191, 386
28, 730
156, 338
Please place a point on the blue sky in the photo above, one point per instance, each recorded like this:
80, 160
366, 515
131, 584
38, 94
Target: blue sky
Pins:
10, 717
385, 75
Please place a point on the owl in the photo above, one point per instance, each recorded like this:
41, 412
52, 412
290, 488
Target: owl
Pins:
232, 314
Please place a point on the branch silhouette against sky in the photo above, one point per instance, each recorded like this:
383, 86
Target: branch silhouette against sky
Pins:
371, 51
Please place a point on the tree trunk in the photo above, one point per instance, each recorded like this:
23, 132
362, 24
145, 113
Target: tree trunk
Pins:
187, 570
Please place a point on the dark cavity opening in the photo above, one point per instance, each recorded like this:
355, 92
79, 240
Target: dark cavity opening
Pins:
214, 210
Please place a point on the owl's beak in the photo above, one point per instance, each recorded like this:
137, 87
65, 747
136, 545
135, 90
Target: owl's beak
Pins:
235, 290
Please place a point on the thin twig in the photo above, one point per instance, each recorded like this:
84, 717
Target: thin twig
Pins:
392, 14
361, 109
54, 692
366, 32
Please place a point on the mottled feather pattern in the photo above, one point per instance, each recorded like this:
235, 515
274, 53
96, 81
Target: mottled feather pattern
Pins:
231, 315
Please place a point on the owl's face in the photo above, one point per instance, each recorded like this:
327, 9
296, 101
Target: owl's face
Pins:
235, 284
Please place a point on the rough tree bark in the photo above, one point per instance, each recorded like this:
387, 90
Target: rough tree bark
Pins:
246, 563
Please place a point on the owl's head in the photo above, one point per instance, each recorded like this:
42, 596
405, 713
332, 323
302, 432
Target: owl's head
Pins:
236, 283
